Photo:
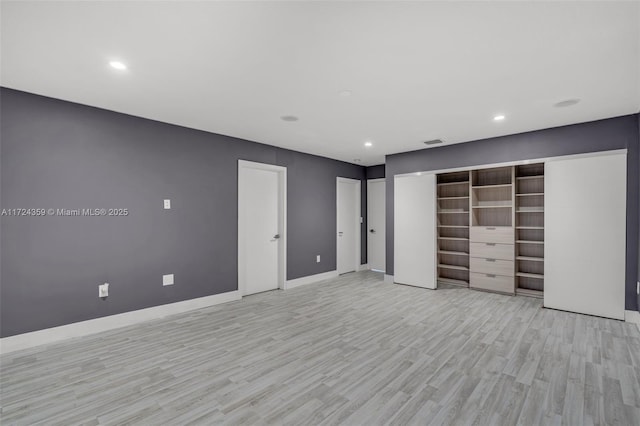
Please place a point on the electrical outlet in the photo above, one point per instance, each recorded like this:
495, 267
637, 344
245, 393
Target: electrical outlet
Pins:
103, 290
318, 259
167, 279
167, 204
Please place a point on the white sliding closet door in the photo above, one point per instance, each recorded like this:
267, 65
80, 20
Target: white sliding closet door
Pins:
415, 230
585, 230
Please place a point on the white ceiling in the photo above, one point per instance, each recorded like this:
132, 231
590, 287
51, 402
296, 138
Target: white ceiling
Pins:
417, 71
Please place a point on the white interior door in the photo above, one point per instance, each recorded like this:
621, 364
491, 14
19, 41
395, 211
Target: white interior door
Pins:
260, 224
585, 234
376, 257
415, 230
348, 225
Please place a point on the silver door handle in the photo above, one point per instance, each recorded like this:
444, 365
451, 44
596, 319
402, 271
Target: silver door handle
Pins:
373, 231
277, 236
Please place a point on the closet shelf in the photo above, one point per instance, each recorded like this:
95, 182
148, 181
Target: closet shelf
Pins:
454, 198
453, 226
530, 258
453, 282
454, 183
530, 194
529, 292
453, 212
493, 207
528, 275
529, 227
453, 253
453, 238
529, 242
530, 177
536, 210
502, 185
456, 267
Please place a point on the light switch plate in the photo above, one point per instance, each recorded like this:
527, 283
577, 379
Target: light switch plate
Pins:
318, 259
103, 290
167, 204
167, 279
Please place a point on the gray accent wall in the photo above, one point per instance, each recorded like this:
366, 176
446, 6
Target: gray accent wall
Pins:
375, 172
57, 154
603, 135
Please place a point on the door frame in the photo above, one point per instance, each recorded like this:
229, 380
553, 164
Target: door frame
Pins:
384, 213
282, 223
356, 219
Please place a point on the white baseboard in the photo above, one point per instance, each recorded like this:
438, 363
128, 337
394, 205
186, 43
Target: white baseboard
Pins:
97, 325
633, 317
310, 279
388, 279
364, 267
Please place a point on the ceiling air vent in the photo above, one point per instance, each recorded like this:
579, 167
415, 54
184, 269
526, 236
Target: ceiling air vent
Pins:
433, 142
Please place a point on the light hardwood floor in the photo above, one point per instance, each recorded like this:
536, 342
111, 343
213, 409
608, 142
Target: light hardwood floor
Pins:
353, 350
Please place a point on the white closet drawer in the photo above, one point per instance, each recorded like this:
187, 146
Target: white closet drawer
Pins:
492, 266
492, 250
492, 282
492, 234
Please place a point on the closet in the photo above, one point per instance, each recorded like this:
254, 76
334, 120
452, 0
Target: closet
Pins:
453, 228
491, 229
529, 252
552, 229
492, 236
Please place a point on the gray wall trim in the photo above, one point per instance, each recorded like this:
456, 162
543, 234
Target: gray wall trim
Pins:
58, 154
603, 135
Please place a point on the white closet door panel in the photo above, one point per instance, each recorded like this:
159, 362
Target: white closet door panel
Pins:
585, 209
415, 230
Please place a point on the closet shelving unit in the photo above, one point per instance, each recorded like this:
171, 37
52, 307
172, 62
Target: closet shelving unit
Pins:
530, 230
491, 229
492, 220
453, 228
559, 217
492, 197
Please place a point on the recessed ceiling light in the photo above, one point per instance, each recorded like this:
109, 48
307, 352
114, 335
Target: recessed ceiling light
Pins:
566, 103
498, 118
345, 93
419, 174
289, 118
368, 144
118, 65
